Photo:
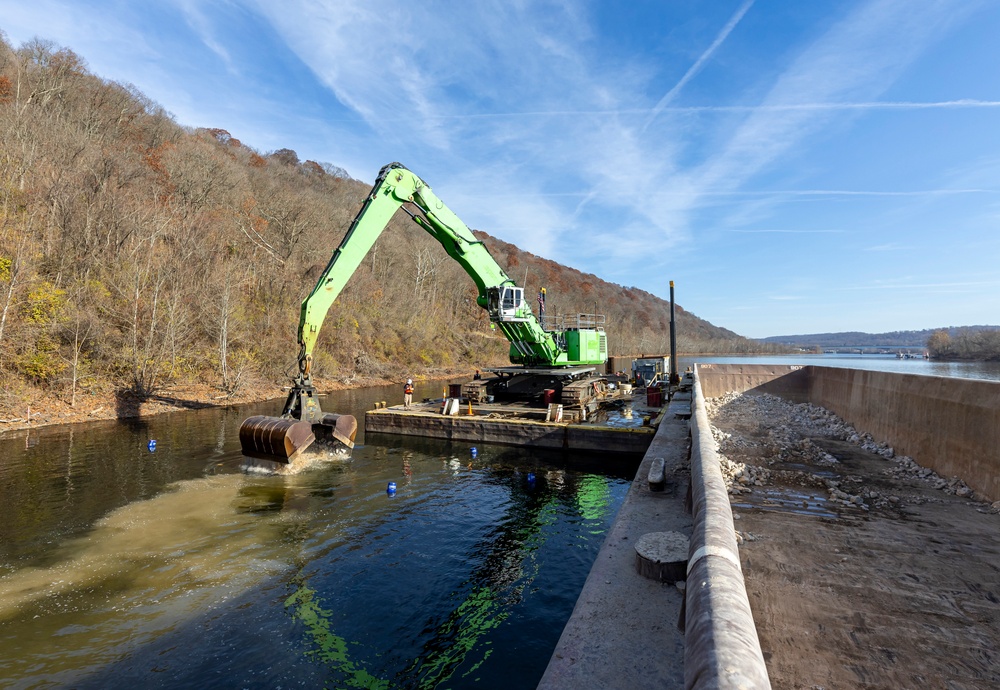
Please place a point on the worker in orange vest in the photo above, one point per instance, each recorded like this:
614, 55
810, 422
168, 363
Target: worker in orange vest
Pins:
408, 394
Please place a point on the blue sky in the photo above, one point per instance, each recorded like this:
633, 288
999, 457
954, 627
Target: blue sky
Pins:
795, 167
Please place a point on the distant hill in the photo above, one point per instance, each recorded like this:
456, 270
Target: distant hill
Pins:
859, 339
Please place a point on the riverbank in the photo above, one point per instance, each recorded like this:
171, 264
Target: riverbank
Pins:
32, 407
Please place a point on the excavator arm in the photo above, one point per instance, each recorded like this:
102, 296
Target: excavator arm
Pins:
398, 188
395, 188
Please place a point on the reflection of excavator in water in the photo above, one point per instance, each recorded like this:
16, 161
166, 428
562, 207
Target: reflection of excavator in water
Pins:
562, 359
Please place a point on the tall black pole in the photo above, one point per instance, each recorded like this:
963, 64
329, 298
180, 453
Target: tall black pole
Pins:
674, 379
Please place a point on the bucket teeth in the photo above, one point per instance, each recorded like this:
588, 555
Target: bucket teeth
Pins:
275, 438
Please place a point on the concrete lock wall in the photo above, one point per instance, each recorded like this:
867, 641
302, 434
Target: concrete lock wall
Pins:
788, 381
950, 425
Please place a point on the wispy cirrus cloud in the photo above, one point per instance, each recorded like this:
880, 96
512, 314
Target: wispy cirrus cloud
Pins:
415, 91
889, 247
859, 57
698, 64
777, 231
196, 19
737, 109
927, 287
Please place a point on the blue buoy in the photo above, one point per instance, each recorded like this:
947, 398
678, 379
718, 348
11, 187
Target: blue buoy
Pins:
151, 445
531, 478
474, 452
391, 489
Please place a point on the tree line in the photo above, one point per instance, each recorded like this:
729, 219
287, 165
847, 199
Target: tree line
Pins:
977, 343
136, 253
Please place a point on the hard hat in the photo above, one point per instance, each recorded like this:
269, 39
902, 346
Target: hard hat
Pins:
409, 381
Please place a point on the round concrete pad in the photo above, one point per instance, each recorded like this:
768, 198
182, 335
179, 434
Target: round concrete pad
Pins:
662, 556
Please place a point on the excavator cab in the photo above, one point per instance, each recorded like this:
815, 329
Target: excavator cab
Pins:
506, 303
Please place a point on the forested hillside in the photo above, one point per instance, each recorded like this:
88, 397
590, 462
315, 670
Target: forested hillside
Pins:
890, 339
136, 253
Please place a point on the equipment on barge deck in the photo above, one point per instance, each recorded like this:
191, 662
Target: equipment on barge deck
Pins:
577, 342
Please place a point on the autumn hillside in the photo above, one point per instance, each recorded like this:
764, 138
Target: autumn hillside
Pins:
136, 254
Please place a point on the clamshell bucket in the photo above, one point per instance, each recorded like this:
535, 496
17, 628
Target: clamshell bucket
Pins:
334, 429
275, 438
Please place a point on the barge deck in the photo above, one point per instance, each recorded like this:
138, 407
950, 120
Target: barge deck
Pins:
613, 432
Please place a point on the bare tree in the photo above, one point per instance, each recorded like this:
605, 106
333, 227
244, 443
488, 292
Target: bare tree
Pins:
80, 327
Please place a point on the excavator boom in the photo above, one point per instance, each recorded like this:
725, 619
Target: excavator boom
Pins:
397, 187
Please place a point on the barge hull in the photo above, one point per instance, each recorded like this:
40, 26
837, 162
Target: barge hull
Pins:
517, 432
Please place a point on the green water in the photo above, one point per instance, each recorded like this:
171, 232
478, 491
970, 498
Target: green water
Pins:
125, 568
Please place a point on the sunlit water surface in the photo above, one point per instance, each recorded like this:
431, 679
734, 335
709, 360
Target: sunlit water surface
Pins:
121, 567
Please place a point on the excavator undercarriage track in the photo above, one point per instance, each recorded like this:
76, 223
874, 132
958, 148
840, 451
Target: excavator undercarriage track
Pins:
571, 393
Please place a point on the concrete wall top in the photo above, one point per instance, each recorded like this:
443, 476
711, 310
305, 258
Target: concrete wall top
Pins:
721, 647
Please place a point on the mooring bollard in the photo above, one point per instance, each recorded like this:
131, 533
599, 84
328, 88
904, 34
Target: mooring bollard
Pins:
657, 475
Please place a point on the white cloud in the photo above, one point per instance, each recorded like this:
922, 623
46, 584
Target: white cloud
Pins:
196, 19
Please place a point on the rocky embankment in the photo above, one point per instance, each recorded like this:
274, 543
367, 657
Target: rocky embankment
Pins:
769, 439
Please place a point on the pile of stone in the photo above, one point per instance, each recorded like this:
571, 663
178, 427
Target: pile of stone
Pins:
767, 430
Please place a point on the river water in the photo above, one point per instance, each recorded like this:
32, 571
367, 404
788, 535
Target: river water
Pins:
122, 567
967, 370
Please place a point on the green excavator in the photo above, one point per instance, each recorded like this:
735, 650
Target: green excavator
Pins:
561, 355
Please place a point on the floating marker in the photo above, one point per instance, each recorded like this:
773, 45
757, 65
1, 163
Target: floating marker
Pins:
473, 451
151, 445
391, 489
531, 478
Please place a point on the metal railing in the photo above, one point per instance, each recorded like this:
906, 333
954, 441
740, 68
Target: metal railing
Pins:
569, 322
